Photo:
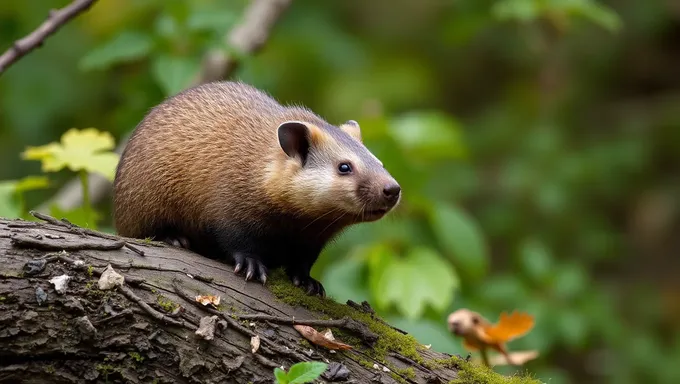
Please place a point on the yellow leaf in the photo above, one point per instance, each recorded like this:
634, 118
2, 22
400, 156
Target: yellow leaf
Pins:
86, 149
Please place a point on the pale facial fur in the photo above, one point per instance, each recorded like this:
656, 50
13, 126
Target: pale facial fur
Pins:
318, 188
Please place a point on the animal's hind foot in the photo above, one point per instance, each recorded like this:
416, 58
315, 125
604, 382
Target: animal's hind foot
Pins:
311, 286
252, 266
177, 241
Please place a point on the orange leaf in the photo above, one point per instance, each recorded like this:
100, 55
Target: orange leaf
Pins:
208, 299
320, 339
510, 326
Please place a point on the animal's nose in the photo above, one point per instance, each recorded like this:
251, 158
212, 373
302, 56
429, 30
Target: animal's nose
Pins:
391, 190
453, 326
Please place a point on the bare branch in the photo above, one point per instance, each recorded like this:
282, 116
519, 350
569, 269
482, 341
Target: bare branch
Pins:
35, 39
248, 37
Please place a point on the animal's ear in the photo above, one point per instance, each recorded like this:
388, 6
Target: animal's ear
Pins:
352, 128
294, 139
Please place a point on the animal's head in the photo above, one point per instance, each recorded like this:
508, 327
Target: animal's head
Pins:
464, 321
328, 171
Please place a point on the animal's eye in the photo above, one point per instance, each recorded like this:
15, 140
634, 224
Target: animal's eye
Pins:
475, 320
344, 168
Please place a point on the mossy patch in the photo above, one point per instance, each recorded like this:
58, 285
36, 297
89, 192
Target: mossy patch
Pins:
136, 356
480, 374
389, 340
167, 304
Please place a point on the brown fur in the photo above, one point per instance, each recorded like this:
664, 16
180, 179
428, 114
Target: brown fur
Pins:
207, 163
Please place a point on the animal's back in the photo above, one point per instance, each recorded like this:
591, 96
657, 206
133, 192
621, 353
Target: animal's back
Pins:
225, 170
198, 154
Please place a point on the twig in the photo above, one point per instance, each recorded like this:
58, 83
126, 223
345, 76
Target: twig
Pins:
152, 312
345, 323
55, 20
366, 307
123, 313
83, 231
248, 37
50, 257
50, 245
265, 361
238, 327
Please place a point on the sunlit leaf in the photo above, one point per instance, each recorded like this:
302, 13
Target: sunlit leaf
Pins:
461, 239
306, 372
123, 47
428, 134
78, 150
174, 73
418, 279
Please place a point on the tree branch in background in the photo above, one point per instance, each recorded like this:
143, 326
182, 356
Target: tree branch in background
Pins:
248, 37
35, 39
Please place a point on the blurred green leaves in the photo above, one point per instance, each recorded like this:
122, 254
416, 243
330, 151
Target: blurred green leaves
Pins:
535, 261
12, 202
461, 239
173, 44
124, 47
428, 135
523, 153
411, 281
529, 10
174, 73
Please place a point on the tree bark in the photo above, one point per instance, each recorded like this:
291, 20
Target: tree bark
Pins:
144, 331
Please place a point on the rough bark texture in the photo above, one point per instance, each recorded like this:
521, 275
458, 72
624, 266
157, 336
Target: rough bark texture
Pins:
144, 330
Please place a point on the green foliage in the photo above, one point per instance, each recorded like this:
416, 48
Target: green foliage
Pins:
461, 238
535, 146
299, 373
174, 73
411, 281
12, 202
428, 135
123, 47
529, 10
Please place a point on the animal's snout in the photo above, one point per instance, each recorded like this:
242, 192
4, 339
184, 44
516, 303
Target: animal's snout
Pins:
454, 327
391, 191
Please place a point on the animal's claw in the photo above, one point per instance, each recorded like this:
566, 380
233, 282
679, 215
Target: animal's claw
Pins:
311, 286
255, 269
178, 241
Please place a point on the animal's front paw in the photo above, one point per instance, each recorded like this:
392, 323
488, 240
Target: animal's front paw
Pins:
177, 241
310, 285
252, 266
